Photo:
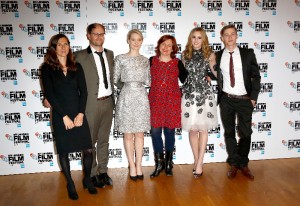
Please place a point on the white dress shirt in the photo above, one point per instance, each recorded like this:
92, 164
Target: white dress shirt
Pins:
102, 91
239, 88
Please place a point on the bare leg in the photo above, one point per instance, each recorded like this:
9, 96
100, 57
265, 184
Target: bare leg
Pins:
139, 147
194, 142
129, 149
202, 147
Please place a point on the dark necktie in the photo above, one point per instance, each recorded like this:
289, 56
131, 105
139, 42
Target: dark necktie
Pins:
103, 69
231, 71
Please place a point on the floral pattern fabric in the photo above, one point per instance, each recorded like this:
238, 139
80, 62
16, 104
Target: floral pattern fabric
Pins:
132, 108
165, 94
199, 108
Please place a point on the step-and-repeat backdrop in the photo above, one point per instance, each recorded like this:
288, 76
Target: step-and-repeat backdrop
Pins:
270, 27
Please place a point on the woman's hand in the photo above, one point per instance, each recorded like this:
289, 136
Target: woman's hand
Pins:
78, 120
46, 103
68, 122
208, 79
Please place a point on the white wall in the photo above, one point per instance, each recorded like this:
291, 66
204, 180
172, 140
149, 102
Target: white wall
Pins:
26, 141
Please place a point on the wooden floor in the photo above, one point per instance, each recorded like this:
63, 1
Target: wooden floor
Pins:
277, 182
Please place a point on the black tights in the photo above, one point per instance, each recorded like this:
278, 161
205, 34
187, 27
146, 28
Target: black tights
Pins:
87, 164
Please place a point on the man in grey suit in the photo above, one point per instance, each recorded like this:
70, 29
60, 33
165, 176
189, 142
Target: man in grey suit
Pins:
239, 86
97, 63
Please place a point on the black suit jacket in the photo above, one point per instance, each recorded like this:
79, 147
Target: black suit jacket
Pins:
250, 73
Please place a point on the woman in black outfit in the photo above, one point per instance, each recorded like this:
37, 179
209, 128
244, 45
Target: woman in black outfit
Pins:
65, 89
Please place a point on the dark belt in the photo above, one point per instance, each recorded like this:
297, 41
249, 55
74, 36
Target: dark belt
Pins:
103, 98
236, 96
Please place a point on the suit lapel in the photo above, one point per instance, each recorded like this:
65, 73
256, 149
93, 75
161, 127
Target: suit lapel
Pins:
218, 59
219, 72
244, 62
109, 58
110, 63
90, 56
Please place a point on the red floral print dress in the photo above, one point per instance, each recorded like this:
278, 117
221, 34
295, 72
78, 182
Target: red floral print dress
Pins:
165, 94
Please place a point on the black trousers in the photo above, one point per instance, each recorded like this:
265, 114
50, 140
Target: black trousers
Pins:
230, 109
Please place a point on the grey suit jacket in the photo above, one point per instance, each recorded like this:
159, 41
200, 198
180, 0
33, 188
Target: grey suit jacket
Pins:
86, 59
250, 73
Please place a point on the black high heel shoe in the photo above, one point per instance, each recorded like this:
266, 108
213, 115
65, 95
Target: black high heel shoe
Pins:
72, 191
140, 177
87, 183
134, 178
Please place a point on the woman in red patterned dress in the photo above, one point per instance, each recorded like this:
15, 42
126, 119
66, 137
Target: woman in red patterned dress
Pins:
165, 101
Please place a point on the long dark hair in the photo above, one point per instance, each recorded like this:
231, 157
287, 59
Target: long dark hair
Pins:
174, 45
51, 56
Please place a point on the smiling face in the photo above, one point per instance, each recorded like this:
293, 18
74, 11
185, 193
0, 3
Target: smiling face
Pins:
62, 47
196, 40
165, 48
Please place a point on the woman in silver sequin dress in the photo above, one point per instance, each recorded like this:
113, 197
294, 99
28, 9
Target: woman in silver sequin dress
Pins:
199, 108
132, 110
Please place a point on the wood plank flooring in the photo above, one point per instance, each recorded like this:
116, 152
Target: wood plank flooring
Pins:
277, 182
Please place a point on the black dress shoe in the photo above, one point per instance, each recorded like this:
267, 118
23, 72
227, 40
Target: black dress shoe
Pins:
247, 173
134, 178
232, 172
87, 183
72, 191
140, 177
105, 179
97, 182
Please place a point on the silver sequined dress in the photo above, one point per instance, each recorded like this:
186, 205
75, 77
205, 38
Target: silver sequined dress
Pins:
198, 105
132, 108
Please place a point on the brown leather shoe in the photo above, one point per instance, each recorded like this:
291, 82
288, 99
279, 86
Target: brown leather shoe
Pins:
247, 173
232, 172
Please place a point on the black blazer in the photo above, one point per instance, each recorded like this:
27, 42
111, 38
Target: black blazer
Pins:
250, 73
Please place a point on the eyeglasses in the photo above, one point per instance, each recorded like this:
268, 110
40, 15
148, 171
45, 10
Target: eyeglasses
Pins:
98, 34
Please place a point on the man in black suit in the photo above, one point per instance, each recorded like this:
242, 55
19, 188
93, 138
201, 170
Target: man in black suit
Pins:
237, 96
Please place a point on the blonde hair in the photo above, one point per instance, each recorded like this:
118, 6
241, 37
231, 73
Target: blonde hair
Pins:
188, 52
134, 31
